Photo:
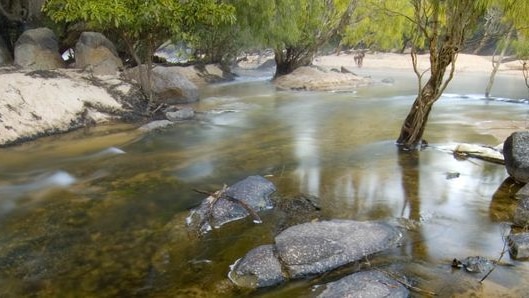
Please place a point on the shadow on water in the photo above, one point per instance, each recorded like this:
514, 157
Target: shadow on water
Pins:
103, 214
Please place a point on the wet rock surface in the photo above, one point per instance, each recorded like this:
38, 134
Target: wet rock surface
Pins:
521, 214
519, 245
266, 272
314, 248
365, 284
475, 264
254, 192
516, 154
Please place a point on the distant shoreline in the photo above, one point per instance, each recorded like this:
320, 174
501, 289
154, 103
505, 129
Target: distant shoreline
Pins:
466, 63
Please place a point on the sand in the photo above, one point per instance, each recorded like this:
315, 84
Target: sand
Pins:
464, 63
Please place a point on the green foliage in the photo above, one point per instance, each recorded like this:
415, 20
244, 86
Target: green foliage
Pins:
144, 25
295, 28
381, 25
521, 47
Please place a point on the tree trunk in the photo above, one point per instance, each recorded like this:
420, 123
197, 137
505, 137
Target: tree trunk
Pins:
443, 26
497, 62
413, 127
482, 43
291, 58
412, 130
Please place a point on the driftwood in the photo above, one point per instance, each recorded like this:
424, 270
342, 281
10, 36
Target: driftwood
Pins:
479, 151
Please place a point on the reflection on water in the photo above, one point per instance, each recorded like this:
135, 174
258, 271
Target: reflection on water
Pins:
101, 213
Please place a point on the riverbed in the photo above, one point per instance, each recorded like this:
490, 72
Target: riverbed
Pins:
101, 212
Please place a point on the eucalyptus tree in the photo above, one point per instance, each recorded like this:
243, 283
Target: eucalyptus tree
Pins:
440, 28
142, 25
442, 25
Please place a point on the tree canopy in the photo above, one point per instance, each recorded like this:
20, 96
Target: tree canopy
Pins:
295, 29
143, 25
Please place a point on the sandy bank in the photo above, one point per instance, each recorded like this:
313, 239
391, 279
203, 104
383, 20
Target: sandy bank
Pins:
465, 63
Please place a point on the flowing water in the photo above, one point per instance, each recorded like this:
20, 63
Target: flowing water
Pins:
101, 213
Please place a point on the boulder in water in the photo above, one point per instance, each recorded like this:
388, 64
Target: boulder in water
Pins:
232, 203
516, 154
315, 248
371, 283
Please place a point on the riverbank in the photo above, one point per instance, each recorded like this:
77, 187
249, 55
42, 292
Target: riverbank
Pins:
466, 63
41, 103
47, 102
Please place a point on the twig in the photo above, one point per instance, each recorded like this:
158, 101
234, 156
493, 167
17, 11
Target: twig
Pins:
222, 194
497, 261
250, 210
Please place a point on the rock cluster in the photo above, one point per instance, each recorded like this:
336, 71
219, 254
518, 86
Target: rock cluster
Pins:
516, 154
223, 207
312, 248
41, 97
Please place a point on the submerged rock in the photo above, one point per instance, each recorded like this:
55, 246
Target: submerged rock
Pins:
179, 114
314, 248
365, 284
475, 264
259, 268
254, 192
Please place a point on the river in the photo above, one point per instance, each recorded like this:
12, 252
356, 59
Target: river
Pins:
101, 212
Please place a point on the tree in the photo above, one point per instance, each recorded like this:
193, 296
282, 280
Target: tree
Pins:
496, 61
515, 12
370, 26
442, 26
295, 29
15, 15
142, 25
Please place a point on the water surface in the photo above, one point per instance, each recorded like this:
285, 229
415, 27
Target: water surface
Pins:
101, 212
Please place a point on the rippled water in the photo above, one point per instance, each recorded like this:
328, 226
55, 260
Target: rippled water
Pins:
101, 212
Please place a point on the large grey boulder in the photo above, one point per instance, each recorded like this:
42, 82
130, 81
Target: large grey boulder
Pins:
254, 192
168, 83
5, 55
37, 49
314, 248
370, 284
95, 51
516, 155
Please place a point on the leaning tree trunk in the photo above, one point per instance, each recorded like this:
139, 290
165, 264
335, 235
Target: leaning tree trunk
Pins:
291, 58
412, 130
443, 26
413, 127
